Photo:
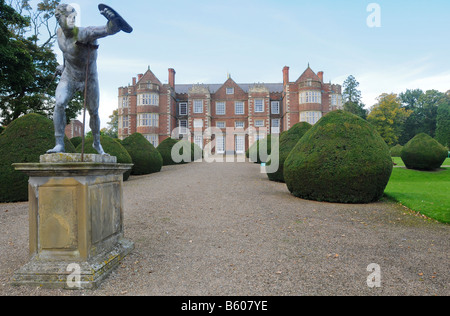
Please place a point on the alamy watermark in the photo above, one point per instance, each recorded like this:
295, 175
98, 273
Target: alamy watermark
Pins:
74, 278
374, 18
374, 279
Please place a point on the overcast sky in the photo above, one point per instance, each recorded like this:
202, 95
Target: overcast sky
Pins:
254, 39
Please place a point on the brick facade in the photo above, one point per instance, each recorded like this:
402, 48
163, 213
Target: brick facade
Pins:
74, 129
154, 109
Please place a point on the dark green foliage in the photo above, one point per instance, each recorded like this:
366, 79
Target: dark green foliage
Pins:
341, 159
196, 152
396, 151
423, 153
253, 151
76, 141
443, 124
146, 158
288, 140
110, 146
166, 146
165, 149
24, 141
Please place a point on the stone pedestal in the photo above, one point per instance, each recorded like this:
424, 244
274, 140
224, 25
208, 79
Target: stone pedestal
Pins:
75, 221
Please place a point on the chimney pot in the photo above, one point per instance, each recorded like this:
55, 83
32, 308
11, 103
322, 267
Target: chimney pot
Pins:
320, 75
285, 75
172, 77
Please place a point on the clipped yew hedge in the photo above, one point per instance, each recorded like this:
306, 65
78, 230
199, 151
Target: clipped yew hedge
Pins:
288, 140
423, 153
341, 159
23, 141
166, 146
112, 147
146, 158
396, 151
253, 151
76, 141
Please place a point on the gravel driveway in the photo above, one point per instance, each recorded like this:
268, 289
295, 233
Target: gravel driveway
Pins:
225, 229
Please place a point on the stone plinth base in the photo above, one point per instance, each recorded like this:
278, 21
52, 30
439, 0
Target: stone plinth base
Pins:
85, 275
75, 221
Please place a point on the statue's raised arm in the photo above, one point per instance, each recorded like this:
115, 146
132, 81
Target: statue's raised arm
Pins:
79, 73
115, 24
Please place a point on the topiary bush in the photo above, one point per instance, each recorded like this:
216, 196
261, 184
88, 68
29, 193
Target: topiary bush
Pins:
166, 146
146, 158
288, 140
112, 147
165, 149
196, 151
342, 159
76, 141
253, 151
396, 151
24, 141
423, 153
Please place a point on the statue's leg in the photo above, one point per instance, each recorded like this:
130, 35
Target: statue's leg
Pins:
92, 103
64, 93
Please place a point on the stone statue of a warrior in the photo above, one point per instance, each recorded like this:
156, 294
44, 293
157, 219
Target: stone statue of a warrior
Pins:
79, 71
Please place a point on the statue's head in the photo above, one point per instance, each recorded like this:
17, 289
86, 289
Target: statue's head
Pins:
66, 16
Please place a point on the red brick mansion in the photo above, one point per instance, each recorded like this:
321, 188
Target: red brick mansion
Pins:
154, 109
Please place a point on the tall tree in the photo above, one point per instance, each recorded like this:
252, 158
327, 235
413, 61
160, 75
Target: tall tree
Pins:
410, 101
443, 122
388, 116
351, 92
113, 125
428, 105
28, 62
352, 97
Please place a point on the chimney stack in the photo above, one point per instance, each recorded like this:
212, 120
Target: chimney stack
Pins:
320, 75
172, 77
134, 81
140, 77
285, 75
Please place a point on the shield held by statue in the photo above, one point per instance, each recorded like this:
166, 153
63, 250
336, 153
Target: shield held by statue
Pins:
112, 15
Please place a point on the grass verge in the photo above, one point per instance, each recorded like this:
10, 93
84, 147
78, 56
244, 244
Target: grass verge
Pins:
422, 191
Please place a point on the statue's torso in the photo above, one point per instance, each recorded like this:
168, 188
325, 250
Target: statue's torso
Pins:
77, 56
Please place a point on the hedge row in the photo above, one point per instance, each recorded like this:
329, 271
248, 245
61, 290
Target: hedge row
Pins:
173, 151
24, 141
30, 136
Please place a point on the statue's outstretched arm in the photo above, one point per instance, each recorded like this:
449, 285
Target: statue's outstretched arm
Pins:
92, 33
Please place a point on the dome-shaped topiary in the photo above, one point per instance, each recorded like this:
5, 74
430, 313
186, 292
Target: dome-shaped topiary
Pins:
24, 141
165, 149
166, 146
288, 140
146, 158
195, 152
112, 147
76, 141
341, 159
254, 152
423, 153
396, 151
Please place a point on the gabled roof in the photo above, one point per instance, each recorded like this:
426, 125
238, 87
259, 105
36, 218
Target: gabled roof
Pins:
149, 76
308, 74
230, 83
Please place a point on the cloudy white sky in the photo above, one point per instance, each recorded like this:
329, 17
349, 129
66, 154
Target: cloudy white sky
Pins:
204, 40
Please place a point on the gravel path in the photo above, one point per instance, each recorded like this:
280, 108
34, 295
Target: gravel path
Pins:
225, 229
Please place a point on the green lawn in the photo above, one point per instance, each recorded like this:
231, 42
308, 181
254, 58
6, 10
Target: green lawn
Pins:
400, 162
422, 191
